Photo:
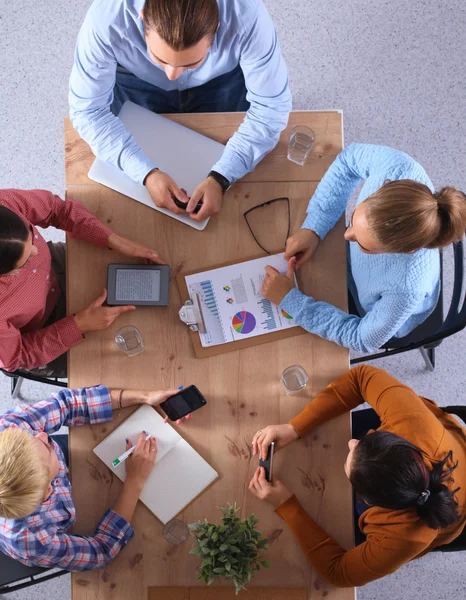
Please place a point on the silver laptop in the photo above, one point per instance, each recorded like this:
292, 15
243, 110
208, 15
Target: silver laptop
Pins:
185, 155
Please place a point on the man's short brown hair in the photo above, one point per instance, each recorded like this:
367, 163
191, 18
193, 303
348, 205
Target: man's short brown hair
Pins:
182, 23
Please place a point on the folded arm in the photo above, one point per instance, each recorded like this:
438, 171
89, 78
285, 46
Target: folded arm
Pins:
396, 404
36, 348
76, 552
268, 92
378, 556
90, 97
42, 208
356, 162
69, 407
364, 334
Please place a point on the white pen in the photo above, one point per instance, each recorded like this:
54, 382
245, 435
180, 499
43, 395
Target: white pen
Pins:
125, 455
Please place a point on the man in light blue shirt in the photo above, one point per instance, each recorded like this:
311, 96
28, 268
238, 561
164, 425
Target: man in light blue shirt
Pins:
180, 56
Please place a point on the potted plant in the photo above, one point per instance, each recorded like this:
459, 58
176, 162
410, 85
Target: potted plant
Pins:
231, 550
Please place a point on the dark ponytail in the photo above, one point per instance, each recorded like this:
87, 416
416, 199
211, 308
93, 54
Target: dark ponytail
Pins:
388, 471
440, 509
13, 233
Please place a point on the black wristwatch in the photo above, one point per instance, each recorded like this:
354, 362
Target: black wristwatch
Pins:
220, 179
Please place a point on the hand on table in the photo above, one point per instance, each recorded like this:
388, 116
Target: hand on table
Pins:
134, 249
141, 462
155, 398
277, 286
282, 435
302, 246
162, 188
275, 493
96, 317
210, 193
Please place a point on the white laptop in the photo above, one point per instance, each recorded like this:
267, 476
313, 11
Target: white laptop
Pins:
187, 156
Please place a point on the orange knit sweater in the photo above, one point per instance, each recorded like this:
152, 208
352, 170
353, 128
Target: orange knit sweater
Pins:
394, 537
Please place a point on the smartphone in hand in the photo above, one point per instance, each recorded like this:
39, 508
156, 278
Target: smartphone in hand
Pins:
268, 462
183, 205
184, 402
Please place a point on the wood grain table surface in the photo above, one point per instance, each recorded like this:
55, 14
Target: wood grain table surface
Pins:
242, 387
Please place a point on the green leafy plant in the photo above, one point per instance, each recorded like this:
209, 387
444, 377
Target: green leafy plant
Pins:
231, 550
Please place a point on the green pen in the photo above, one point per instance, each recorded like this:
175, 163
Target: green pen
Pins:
125, 455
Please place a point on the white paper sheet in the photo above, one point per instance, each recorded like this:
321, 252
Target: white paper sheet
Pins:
180, 474
232, 303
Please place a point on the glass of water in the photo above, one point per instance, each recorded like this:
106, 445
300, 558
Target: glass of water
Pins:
175, 532
301, 140
294, 379
129, 339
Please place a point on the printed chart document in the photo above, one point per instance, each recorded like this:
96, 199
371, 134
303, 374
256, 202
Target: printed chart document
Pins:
232, 304
180, 474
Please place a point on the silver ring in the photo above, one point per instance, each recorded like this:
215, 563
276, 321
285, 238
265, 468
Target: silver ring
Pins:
153, 450
260, 430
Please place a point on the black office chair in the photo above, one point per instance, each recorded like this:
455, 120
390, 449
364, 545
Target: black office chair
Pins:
15, 576
364, 420
430, 334
18, 376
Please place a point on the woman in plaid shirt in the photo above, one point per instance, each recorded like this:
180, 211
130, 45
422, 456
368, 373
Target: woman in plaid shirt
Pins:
36, 507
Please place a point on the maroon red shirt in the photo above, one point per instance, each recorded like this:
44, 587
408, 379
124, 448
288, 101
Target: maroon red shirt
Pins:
28, 297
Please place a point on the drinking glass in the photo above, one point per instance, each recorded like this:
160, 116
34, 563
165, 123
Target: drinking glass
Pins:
301, 140
294, 379
129, 339
175, 532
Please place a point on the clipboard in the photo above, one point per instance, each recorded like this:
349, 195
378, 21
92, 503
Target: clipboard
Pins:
197, 323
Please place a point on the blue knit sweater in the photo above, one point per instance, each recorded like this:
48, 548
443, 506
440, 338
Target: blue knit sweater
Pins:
397, 291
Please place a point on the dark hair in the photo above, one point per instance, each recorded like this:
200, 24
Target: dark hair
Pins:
13, 233
182, 23
388, 471
405, 216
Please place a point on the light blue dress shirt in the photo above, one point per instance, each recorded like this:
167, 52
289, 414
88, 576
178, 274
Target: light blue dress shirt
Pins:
397, 291
112, 34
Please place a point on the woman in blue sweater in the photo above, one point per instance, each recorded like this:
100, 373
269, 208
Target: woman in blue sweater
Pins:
394, 235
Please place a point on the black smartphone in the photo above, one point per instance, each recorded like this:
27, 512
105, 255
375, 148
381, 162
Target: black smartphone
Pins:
180, 204
268, 462
186, 401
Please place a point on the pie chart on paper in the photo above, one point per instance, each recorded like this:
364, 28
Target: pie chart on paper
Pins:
244, 322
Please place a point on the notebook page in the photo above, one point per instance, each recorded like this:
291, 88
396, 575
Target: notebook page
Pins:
144, 418
176, 480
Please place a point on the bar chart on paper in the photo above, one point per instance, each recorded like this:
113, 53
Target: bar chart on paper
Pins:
269, 321
232, 303
208, 297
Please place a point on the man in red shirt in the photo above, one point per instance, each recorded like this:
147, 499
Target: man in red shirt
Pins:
35, 332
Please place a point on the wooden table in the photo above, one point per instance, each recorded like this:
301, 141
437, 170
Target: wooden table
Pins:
242, 387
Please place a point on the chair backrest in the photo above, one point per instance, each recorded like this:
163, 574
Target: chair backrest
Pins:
459, 543
459, 411
455, 320
456, 317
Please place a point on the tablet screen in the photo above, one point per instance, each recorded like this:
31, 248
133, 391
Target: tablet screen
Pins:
137, 285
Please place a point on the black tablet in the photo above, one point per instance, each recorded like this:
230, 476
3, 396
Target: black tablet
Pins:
140, 285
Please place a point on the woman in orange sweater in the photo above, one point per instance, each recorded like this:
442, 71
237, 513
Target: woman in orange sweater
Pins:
409, 476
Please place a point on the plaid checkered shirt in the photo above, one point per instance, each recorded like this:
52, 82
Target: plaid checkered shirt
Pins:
43, 538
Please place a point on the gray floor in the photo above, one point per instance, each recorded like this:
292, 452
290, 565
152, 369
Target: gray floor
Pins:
396, 69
